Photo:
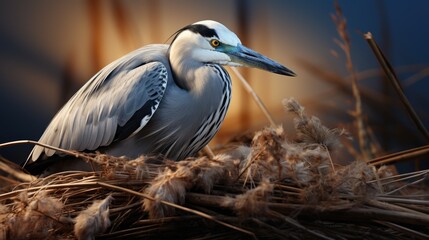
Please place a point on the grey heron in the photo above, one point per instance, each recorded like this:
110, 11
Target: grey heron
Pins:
159, 99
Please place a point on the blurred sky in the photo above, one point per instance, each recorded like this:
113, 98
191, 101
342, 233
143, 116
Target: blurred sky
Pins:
49, 48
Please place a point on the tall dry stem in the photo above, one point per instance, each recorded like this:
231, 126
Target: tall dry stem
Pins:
341, 24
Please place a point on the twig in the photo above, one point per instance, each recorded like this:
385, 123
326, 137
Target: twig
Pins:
393, 207
296, 224
72, 153
404, 177
258, 101
209, 152
146, 225
340, 23
403, 200
68, 152
330, 158
400, 156
414, 234
46, 187
275, 230
15, 173
390, 74
201, 214
408, 184
401, 177
333, 212
247, 166
377, 179
289, 188
417, 76
9, 181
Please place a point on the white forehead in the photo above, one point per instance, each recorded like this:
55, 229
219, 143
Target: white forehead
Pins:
225, 35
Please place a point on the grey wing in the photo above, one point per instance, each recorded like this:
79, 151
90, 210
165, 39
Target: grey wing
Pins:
114, 104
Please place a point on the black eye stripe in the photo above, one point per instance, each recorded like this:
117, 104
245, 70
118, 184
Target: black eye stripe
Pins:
202, 30
197, 28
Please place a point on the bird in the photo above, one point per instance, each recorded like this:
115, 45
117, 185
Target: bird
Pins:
166, 99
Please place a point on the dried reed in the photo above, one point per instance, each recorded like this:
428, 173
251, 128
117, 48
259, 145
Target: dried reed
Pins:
276, 188
390, 73
345, 45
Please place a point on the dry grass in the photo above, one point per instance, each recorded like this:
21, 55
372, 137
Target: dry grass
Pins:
274, 188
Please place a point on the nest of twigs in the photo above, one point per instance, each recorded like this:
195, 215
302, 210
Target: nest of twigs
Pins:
274, 188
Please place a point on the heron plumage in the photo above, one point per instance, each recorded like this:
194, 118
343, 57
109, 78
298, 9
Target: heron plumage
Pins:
159, 99
108, 101
106, 104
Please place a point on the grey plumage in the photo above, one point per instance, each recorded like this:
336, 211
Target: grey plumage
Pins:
160, 99
91, 118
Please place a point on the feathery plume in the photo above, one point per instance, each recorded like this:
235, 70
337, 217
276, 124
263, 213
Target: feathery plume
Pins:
93, 220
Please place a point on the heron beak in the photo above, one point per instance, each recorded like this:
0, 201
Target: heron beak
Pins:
247, 57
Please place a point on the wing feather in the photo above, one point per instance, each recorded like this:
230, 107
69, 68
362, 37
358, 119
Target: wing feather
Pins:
117, 101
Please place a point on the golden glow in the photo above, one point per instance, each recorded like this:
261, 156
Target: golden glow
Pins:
106, 30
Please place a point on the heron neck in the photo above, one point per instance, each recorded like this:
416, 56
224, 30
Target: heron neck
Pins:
184, 69
184, 74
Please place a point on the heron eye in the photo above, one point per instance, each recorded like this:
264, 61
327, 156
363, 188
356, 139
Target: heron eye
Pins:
215, 43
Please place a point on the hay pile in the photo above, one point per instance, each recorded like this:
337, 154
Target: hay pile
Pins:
274, 188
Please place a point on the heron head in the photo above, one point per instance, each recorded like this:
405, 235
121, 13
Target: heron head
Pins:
211, 42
